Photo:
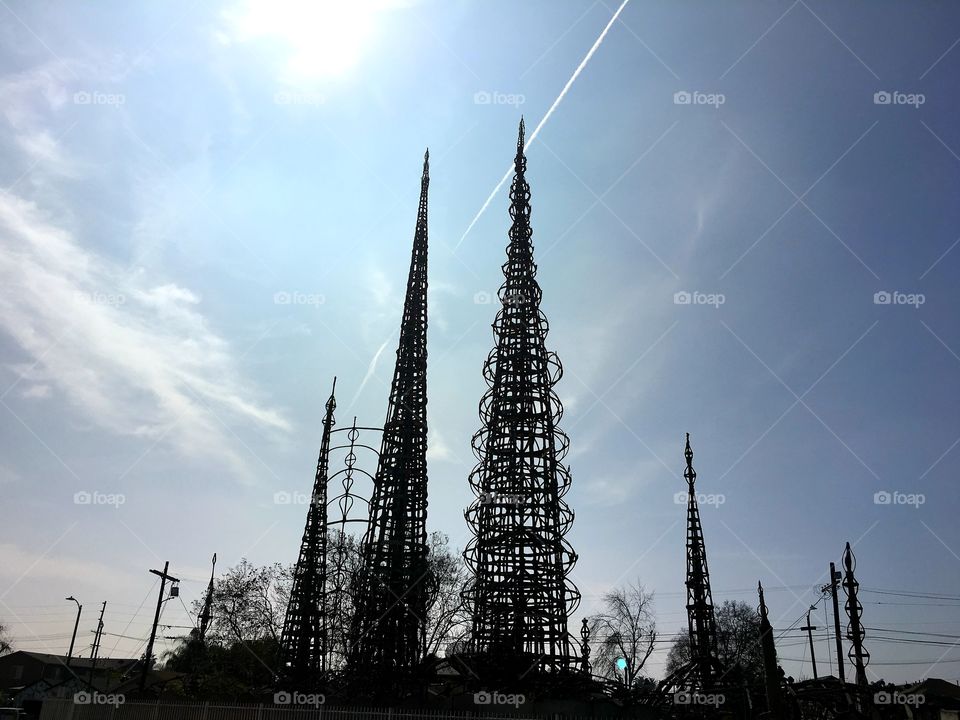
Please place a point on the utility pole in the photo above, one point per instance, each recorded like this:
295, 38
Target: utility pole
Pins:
76, 624
156, 620
810, 628
96, 645
834, 579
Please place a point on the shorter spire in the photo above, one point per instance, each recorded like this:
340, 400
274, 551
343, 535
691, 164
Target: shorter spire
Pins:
689, 474
520, 136
426, 164
332, 401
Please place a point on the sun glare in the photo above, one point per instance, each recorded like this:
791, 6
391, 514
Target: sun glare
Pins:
323, 38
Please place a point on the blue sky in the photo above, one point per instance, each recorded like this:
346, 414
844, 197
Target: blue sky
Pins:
173, 173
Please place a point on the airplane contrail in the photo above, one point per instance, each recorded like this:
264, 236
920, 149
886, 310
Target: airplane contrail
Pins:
536, 130
370, 370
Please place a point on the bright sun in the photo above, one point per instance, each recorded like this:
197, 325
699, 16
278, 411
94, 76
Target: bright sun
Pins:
324, 38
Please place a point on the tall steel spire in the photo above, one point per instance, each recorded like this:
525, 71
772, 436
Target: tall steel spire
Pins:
207, 613
771, 670
388, 631
520, 595
702, 624
303, 643
855, 633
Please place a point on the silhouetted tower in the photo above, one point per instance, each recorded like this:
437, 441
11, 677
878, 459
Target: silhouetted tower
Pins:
771, 669
303, 643
520, 595
855, 633
207, 613
702, 624
388, 631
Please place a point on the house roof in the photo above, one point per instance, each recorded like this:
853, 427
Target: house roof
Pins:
85, 663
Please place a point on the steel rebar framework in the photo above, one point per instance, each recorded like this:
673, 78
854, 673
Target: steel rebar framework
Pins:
701, 622
303, 642
855, 633
520, 595
387, 634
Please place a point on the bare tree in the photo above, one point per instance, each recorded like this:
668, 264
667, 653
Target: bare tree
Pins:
5, 644
738, 643
446, 616
249, 603
627, 630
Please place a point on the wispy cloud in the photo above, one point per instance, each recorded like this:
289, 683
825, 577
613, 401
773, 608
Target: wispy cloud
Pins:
133, 356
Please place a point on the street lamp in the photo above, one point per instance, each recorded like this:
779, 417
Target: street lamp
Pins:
75, 625
623, 665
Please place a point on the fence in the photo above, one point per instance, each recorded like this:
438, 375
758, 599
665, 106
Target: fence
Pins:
67, 709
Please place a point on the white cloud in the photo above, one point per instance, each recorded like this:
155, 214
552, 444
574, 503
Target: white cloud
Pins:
36, 391
20, 563
437, 447
132, 357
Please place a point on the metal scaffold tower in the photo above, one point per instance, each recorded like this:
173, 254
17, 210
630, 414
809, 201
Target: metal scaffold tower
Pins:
701, 622
703, 670
303, 642
520, 596
387, 635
